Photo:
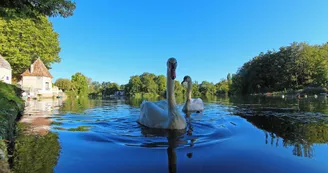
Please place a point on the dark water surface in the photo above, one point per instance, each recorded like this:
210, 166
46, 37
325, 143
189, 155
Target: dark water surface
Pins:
254, 134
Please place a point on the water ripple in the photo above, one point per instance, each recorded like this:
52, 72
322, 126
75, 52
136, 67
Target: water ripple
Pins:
118, 125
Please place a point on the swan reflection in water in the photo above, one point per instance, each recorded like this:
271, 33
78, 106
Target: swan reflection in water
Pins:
175, 138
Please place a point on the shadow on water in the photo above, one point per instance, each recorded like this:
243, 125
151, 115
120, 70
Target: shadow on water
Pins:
295, 123
174, 139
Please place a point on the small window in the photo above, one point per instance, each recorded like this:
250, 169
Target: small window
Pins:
7, 78
47, 86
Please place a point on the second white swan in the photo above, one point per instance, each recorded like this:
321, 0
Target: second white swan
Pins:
191, 105
164, 117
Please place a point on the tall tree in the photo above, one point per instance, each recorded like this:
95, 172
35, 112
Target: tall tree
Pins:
110, 89
51, 8
222, 87
134, 86
148, 83
95, 89
161, 83
80, 84
207, 89
22, 40
295, 66
229, 78
122, 87
195, 90
179, 90
64, 84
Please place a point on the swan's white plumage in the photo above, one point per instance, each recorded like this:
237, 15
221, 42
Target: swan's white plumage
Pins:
194, 105
153, 115
163, 114
162, 104
191, 105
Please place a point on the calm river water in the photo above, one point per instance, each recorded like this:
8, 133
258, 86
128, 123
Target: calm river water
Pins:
253, 134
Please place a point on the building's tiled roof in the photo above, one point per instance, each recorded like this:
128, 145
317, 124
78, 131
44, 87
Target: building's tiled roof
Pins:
39, 69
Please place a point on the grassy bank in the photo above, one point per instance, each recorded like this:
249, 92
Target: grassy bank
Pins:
306, 90
11, 108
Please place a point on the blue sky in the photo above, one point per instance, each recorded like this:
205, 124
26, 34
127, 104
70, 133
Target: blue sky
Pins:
111, 40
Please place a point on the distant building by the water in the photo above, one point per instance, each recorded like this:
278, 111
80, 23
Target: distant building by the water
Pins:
119, 93
37, 80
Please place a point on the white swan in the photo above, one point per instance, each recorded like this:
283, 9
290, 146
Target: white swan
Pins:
156, 114
191, 105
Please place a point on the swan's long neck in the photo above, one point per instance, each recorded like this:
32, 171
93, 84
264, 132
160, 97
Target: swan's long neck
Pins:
170, 91
189, 90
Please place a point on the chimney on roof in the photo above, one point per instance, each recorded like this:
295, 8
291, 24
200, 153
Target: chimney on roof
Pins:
32, 68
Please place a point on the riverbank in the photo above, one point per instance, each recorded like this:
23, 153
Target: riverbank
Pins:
11, 109
311, 91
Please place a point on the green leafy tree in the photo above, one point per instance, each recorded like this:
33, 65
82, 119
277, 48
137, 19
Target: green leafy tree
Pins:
148, 83
296, 66
80, 84
122, 87
95, 89
207, 89
161, 85
110, 89
195, 90
23, 40
134, 86
51, 8
229, 79
96, 86
64, 84
178, 88
222, 87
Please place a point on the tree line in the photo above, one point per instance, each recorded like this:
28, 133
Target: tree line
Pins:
144, 85
292, 67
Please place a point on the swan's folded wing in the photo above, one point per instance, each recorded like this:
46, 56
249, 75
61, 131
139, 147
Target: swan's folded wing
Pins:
151, 115
198, 101
162, 104
197, 104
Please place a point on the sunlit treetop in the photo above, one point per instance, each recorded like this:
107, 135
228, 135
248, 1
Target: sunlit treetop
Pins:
51, 8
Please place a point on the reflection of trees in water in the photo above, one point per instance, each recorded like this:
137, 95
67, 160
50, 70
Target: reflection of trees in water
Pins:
303, 105
296, 128
78, 105
37, 154
298, 132
180, 99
